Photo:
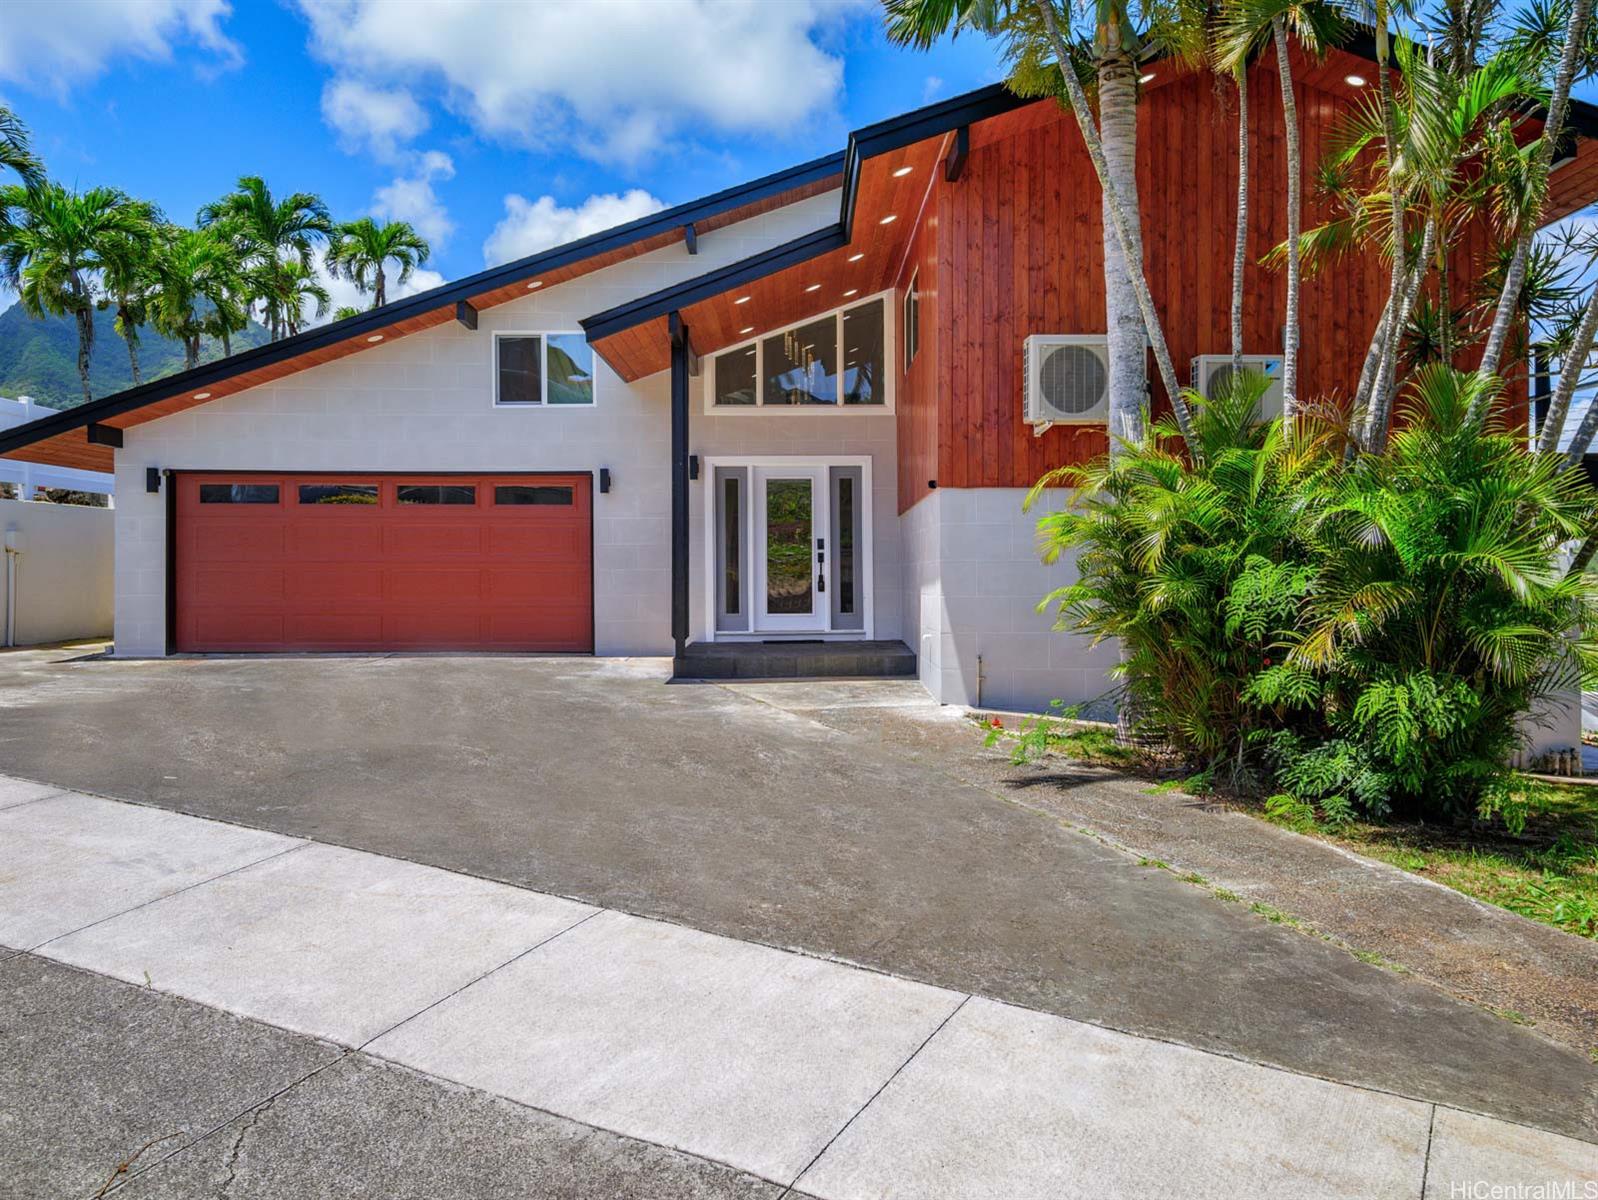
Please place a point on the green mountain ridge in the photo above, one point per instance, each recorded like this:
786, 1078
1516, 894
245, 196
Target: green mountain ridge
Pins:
40, 358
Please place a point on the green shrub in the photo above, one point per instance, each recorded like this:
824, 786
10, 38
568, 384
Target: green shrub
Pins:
1360, 632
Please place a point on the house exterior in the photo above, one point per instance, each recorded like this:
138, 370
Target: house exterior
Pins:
795, 410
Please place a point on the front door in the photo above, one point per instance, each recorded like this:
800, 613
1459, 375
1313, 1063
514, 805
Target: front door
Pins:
790, 513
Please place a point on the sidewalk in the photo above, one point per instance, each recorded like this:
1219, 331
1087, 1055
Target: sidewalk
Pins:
800, 1073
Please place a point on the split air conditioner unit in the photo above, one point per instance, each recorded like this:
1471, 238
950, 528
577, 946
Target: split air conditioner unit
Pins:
1067, 380
1212, 371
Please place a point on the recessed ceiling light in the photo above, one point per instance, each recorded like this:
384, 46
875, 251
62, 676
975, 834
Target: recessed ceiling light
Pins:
852, 292
376, 337
1354, 80
902, 172
857, 257
202, 395
537, 283
747, 329
814, 287
889, 219
743, 300
1149, 78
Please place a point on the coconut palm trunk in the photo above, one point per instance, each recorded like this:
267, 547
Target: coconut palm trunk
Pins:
1127, 343
1240, 239
132, 339
1379, 407
380, 291
1570, 373
1116, 208
1295, 215
1515, 276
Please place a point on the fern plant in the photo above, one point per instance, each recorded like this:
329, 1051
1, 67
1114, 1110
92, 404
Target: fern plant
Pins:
1365, 634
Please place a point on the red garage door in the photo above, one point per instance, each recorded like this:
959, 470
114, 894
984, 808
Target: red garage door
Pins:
384, 562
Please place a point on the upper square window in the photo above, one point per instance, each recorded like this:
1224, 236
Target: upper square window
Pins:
543, 369
823, 363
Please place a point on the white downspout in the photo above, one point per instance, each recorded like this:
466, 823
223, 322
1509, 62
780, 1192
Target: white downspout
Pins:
13, 552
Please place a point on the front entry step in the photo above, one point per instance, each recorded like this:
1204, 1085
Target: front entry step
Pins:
795, 660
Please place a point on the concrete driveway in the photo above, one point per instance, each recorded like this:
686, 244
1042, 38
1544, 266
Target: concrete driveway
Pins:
722, 811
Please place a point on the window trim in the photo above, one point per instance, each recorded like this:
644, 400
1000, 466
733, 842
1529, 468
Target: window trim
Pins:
890, 381
543, 336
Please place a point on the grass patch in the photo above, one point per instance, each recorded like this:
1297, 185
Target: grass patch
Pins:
1549, 872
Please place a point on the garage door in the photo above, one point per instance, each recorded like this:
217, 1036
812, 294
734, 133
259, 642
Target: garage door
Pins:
383, 562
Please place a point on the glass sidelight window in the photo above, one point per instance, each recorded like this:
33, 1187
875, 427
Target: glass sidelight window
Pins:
729, 544
848, 542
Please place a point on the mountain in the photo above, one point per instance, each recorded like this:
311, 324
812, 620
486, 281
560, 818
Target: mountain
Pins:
40, 358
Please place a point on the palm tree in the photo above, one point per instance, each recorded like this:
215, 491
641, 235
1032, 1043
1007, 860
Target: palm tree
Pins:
15, 153
360, 248
297, 287
345, 311
127, 278
267, 233
197, 288
1245, 26
1542, 159
1033, 30
54, 257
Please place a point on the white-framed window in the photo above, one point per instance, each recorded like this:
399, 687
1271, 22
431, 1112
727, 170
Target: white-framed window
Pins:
547, 368
830, 362
912, 319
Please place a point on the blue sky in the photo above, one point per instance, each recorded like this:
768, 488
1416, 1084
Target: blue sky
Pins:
496, 128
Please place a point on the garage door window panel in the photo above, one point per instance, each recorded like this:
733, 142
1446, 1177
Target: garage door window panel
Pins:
518, 494
238, 493
435, 493
343, 495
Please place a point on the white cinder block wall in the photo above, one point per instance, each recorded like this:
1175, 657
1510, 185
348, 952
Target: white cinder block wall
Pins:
971, 558
425, 402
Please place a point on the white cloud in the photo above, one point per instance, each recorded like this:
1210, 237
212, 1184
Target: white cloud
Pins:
380, 119
411, 198
611, 78
44, 43
533, 225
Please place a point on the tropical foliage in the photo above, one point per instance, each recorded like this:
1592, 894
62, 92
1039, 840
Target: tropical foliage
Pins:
250, 255
1362, 633
1360, 602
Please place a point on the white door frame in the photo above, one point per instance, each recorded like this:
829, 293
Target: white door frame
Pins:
819, 618
777, 462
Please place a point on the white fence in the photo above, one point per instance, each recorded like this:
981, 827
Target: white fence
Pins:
58, 581
28, 476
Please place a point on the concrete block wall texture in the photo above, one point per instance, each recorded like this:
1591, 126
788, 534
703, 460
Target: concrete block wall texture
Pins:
972, 559
64, 573
425, 402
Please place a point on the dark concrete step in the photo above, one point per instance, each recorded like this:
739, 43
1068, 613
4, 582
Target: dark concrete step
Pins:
795, 660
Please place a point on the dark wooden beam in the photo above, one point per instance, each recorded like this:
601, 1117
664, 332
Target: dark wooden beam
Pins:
466, 314
105, 435
958, 152
681, 352
690, 238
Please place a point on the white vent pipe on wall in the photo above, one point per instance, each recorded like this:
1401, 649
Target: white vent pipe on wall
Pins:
13, 553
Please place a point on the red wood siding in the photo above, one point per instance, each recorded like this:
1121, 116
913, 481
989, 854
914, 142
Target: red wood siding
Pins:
1017, 248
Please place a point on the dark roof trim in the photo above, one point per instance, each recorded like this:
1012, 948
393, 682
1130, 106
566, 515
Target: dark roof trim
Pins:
447, 295
915, 126
892, 134
669, 300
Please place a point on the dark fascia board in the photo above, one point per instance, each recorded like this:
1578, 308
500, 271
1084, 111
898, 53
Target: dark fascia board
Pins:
892, 134
447, 295
668, 300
